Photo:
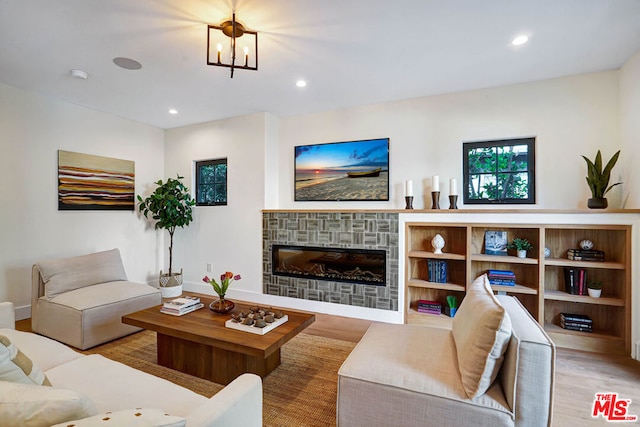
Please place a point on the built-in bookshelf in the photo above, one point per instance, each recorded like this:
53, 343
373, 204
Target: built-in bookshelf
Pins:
539, 279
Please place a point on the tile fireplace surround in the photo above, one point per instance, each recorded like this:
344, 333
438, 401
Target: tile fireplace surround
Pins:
355, 230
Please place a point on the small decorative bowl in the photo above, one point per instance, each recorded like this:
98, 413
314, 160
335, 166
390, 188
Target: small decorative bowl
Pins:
586, 244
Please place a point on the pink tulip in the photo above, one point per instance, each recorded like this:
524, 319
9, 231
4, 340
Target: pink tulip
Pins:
237, 277
205, 279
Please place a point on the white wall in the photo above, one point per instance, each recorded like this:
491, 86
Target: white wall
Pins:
630, 136
569, 116
630, 129
229, 237
32, 130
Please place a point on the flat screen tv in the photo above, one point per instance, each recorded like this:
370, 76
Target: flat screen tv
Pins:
343, 171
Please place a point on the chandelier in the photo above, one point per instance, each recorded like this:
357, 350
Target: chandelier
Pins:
225, 49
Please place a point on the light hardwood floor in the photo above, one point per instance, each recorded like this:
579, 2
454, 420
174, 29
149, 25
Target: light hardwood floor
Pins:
579, 375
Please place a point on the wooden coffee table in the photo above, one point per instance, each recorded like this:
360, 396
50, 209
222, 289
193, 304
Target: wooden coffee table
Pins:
199, 344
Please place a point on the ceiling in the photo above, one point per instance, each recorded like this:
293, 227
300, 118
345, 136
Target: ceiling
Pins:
351, 52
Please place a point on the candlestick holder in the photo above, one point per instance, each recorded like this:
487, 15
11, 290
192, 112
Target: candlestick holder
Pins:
435, 200
453, 202
409, 200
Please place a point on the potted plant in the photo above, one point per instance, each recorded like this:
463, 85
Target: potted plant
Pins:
170, 205
598, 180
221, 305
520, 245
594, 287
452, 305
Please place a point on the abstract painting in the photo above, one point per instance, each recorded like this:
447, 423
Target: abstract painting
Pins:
87, 182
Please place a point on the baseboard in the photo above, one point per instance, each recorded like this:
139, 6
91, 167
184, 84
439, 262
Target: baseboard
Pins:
23, 312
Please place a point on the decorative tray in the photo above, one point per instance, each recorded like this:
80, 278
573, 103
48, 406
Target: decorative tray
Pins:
254, 330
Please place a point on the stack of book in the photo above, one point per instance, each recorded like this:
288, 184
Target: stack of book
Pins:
575, 281
437, 270
431, 307
501, 277
576, 322
585, 255
180, 306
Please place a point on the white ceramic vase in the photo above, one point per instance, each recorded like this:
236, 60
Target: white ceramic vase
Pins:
522, 253
438, 243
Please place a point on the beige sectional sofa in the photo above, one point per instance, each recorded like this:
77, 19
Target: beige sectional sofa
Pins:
494, 367
80, 300
93, 387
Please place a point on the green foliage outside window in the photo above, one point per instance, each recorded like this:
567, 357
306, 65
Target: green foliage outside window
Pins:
499, 171
211, 182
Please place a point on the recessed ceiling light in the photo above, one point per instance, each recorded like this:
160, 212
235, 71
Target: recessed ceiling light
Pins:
79, 74
173, 111
127, 63
519, 40
301, 83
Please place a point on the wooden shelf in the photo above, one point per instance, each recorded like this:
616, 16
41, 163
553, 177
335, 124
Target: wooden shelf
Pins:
431, 255
503, 259
584, 299
516, 289
418, 283
563, 262
543, 294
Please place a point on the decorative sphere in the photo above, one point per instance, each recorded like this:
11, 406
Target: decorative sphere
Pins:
586, 244
438, 243
547, 252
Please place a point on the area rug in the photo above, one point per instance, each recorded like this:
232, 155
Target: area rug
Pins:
300, 392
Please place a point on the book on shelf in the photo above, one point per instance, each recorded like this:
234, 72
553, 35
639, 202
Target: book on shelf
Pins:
501, 277
568, 324
432, 307
437, 270
585, 255
575, 281
578, 318
577, 328
181, 311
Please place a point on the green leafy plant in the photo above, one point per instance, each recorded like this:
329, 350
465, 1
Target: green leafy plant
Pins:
452, 301
598, 178
594, 284
170, 205
520, 244
225, 281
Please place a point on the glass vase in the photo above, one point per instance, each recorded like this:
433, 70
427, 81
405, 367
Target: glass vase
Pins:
222, 305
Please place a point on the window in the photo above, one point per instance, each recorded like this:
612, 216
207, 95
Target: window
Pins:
211, 182
499, 171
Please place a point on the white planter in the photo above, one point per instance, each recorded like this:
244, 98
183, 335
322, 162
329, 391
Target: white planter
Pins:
594, 293
522, 253
170, 285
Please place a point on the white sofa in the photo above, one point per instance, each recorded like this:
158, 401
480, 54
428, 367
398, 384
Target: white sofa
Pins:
100, 385
80, 300
494, 367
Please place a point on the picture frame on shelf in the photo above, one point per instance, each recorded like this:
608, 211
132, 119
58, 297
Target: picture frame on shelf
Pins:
495, 242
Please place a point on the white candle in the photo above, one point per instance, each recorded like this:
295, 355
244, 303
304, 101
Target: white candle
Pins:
409, 188
453, 187
435, 183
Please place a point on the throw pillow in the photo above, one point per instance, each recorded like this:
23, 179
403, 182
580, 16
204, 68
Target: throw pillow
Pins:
29, 405
481, 331
16, 367
142, 417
